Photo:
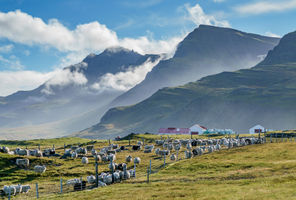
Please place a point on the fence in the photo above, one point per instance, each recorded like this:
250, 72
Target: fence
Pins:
151, 165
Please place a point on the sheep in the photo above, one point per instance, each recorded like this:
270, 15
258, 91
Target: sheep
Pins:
18, 188
9, 190
177, 147
173, 157
165, 145
140, 143
112, 166
111, 157
111, 152
49, 152
118, 150
26, 188
121, 166
81, 150
4, 149
129, 158
184, 142
94, 152
218, 147
159, 142
194, 143
89, 147
114, 146
101, 184
84, 160
35, 152
91, 179
22, 152
188, 154
132, 173
39, 169
22, 162
197, 152
137, 160
125, 175
107, 179
116, 176
74, 155
188, 146
148, 148
210, 149
73, 181
122, 148
170, 147
164, 152
157, 151
136, 147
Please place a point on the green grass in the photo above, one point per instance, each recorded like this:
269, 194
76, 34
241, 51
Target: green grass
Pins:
260, 171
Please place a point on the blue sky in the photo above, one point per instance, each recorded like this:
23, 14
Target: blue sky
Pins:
41, 36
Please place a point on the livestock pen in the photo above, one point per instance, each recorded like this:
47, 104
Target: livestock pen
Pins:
209, 169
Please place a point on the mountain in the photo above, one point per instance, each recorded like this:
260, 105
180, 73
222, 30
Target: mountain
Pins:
205, 51
73, 95
264, 94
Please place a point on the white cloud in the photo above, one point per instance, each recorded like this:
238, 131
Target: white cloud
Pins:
270, 34
65, 77
197, 15
12, 62
6, 48
218, 1
12, 81
261, 7
21, 27
123, 81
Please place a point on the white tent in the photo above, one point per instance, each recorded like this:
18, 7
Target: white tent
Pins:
257, 129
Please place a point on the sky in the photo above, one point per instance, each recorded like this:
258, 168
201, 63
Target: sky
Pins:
38, 38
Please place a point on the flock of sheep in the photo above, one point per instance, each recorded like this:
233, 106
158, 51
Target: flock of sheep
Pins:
119, 171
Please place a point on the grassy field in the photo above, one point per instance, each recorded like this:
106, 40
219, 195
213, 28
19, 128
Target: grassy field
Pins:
265, 171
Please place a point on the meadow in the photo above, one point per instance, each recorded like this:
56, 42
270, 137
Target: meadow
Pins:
265, 171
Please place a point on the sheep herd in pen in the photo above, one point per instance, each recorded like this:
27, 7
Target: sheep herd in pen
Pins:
164, 148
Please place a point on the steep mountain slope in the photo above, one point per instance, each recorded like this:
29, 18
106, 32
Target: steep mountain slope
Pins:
264, 94
69, 94
205, 51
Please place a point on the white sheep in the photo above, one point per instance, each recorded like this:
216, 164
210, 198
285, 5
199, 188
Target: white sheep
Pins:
23, 162
26, 188
91, 179
132, 173
101, 184
112, 166
188, 146
157, 151
22, 152
5, 149
140, 143
94, 152
74, 155
73, 181
111, 157
9, 190
39, 169
129, 158
125, 175
188, 154
116, 176
137, 160
173, 157
107, 179
84, 160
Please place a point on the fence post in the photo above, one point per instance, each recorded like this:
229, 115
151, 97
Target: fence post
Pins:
97, 174
9, 191
109, 142
37, 191
150, 167
111, 163
147, 174
143, 141
135, 169
270, 139
282, 138
61, 185
164, 160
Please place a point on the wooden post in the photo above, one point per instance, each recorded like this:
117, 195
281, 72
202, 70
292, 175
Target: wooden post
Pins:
150, 167
147, 174
9, 193
37, 191
135, 169
61, 181
112, 171
109, 142
97, 174
282, 137
81, 182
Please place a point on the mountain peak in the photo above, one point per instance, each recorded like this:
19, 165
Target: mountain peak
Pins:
284, 52
117, 49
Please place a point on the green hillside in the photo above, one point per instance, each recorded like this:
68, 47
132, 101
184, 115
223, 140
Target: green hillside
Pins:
264, 94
